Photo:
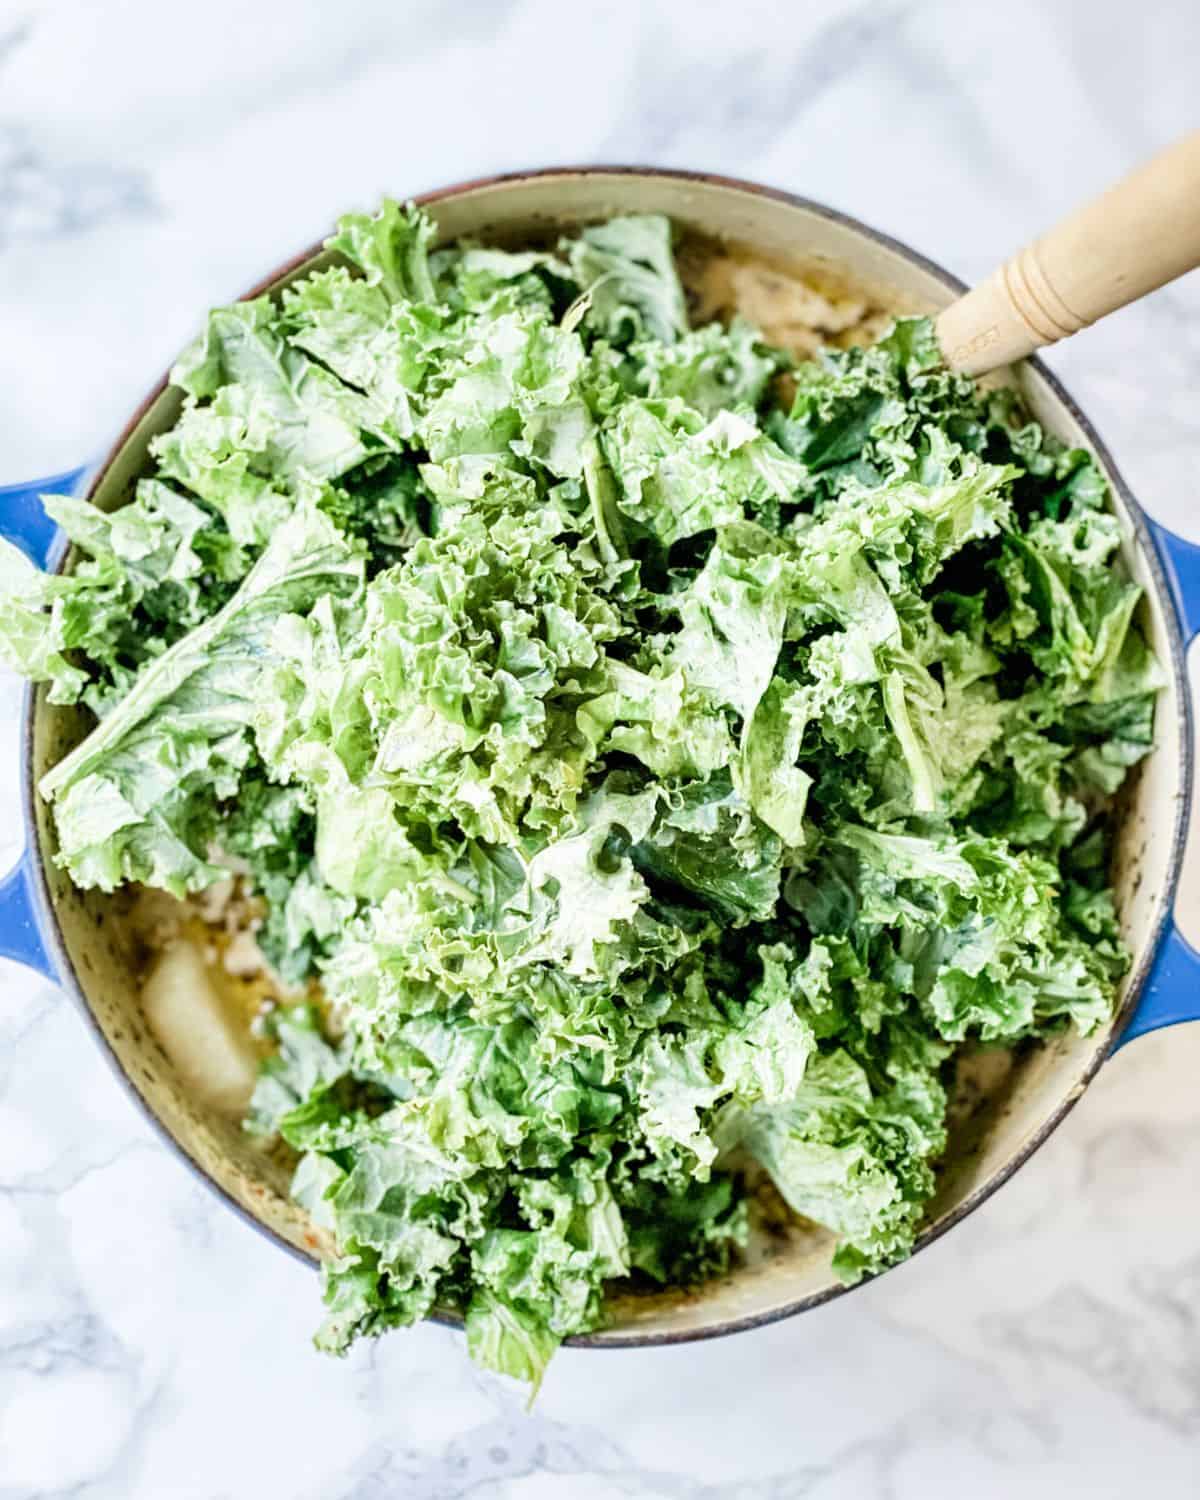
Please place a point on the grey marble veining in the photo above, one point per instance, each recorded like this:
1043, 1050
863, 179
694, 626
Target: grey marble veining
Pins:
155, 159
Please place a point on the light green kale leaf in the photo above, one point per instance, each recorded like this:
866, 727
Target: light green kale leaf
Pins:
137, 799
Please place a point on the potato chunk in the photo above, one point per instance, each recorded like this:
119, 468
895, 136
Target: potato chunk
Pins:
199, 1028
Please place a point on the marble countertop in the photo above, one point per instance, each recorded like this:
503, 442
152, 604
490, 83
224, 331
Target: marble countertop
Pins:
157, 159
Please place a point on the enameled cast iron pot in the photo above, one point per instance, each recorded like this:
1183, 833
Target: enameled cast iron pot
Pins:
78, 938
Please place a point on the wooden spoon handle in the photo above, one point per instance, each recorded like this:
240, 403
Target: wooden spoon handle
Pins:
1139, 234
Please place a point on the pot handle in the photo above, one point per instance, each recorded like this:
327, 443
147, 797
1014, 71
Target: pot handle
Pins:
1171, 993
24, 522
20, 932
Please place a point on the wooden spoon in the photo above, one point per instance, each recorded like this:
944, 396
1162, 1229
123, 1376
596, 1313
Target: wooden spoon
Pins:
1138, 235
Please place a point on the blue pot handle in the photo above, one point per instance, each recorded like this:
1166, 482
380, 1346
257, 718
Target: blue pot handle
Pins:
1172, 990
23, 518
20, 931
23, 521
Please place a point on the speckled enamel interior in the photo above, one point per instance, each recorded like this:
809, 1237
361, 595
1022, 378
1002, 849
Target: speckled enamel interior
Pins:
789, 1268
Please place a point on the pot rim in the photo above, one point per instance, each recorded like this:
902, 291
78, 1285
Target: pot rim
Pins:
634, 1338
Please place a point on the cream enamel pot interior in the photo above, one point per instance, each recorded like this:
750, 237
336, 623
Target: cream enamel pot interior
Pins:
81, 940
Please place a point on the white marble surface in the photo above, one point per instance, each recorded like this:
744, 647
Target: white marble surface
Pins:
156, 158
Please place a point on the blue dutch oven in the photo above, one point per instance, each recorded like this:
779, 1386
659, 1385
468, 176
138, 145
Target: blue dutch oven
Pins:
83, 940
